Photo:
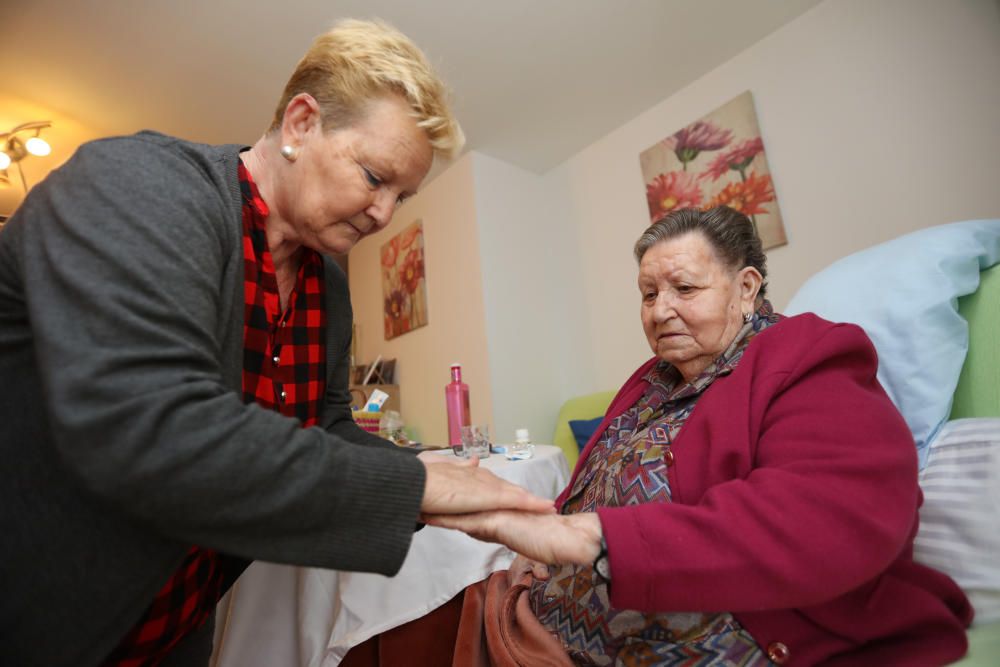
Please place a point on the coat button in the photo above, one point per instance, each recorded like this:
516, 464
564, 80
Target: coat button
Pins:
668, 458
778, 653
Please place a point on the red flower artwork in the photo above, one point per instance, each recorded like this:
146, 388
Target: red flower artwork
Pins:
407, 237
394, 305
747, 197
717, 159
404, 290
671, 191
390, 251
412, 271
395, 313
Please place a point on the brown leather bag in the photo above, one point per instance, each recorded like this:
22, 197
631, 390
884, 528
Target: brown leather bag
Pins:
498, 628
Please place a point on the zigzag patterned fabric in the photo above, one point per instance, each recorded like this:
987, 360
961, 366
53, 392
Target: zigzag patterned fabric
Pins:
628, 466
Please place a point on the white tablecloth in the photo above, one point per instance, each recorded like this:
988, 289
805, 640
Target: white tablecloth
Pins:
307, 617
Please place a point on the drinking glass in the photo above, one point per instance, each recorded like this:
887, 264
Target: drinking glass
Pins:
476, 441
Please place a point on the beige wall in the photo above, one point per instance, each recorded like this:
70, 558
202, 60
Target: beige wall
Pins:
528, 259
456, 319
878, 118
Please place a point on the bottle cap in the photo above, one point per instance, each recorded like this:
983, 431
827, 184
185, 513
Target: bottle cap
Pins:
456, 365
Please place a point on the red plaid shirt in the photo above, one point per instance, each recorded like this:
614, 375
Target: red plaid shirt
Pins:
284, 369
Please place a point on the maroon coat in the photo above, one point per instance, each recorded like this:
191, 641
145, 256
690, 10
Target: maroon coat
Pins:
795, 499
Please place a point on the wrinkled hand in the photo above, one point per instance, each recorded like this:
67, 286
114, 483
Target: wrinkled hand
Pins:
546, 538
463, 487
522, 565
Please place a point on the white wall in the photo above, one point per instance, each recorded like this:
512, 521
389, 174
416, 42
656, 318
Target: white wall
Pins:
528, 258
456, 320
878, 118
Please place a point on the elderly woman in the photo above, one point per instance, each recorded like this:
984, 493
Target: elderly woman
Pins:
173, 343
751, 496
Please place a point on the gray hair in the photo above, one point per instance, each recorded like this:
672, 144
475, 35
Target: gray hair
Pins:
730, 233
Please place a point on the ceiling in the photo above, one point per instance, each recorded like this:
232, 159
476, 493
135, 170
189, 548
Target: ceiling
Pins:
534, 81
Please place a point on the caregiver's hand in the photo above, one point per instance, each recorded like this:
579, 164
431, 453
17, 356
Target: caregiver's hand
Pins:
463, 487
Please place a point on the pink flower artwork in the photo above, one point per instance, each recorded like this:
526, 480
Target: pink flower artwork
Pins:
737, 159
689, 142
717, 159
404, 286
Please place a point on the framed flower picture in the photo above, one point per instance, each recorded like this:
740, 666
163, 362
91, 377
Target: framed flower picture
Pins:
717, 160
404, 289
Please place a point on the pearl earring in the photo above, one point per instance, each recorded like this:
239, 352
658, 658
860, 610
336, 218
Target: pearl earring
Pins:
290, 153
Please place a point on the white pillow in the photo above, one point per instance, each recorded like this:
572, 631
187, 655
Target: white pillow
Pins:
960, 519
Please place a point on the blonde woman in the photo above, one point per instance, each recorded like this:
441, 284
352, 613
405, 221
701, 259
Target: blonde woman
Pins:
179, 339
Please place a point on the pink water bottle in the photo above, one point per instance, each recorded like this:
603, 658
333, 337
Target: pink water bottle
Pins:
456, 394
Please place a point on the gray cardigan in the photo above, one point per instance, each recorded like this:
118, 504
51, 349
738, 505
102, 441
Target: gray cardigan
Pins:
123, 435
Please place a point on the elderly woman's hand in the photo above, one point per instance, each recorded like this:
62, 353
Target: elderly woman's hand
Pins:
522, 565
548, 538
464, 487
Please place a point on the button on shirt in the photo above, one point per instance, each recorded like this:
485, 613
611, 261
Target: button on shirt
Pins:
284, 369
284, 362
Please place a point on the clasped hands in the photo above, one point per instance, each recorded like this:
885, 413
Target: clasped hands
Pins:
462, 496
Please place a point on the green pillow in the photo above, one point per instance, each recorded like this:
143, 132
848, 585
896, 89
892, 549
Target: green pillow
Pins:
978, 391
984, 646
587, 406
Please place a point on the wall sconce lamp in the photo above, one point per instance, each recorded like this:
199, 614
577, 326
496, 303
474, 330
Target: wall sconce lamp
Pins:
14, 148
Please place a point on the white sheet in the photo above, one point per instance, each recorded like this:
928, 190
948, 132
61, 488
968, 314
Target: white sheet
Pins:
288, 616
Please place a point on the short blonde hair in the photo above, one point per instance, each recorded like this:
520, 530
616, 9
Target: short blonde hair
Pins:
357, 62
